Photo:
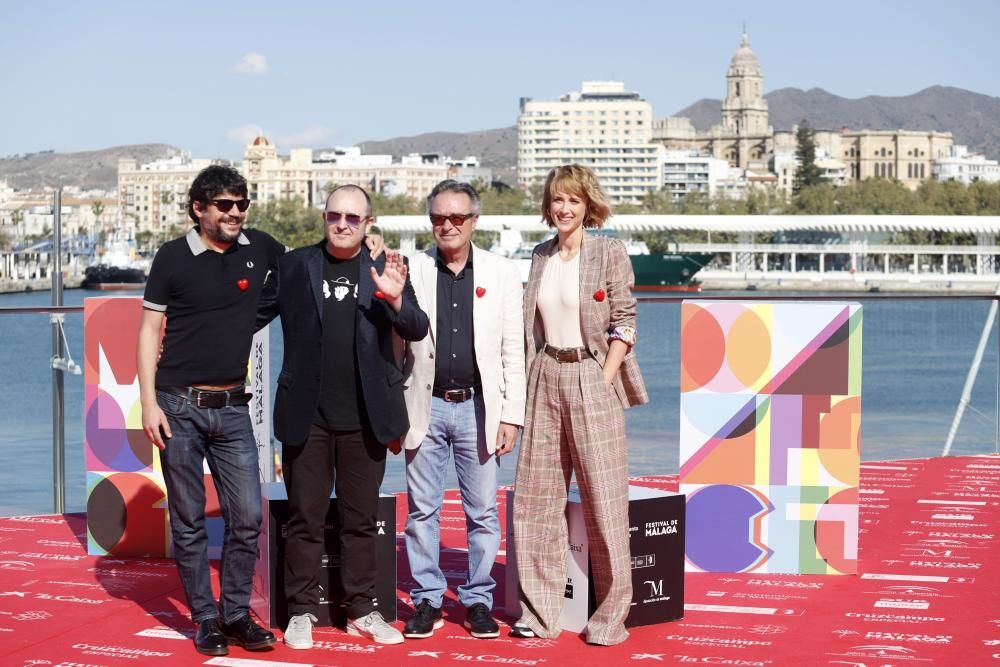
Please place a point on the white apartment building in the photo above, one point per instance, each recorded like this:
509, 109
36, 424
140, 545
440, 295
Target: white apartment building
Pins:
689, 171
152, 197
601, 126
965, 167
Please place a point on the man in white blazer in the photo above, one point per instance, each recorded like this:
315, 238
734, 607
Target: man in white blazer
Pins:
465, 397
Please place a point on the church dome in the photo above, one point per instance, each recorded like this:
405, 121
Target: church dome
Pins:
744, 60
261, 140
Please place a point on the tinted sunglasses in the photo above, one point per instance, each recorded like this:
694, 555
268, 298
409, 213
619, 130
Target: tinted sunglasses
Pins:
226, 205
457, 219
352, 219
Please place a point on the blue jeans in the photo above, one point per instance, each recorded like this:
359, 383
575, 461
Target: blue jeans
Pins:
223, 436
458, 428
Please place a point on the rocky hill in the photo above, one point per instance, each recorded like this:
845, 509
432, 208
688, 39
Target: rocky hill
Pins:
972, 118
89, 170
496, 149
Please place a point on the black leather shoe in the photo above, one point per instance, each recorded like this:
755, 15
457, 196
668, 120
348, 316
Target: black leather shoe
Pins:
426, 619
210, 640
246, 633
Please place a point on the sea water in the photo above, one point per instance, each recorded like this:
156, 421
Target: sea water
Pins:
916, 356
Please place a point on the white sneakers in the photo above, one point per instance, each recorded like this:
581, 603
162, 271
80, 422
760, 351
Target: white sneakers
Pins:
300, 631
374, 627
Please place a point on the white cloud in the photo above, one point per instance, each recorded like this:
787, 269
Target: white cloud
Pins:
252, 63
309, 137
243, 134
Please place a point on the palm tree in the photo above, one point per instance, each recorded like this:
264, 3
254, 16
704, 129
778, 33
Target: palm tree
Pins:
16, 218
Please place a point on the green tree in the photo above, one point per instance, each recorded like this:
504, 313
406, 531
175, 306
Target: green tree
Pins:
986, 197
807, 173
398, 205
695, 203
144, 239
505, 201
97, 208
820, 199
289, 221
16, 218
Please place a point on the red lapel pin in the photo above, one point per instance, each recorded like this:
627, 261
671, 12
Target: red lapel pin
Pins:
480, 291
379, 294
599, 295
243, 284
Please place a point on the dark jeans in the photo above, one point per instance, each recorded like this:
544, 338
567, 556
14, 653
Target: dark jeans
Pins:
357, 461
223, 437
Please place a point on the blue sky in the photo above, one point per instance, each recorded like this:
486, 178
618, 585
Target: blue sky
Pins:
203, 75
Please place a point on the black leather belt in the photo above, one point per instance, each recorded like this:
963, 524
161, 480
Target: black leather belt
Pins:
203, 398
456, 395
566, 355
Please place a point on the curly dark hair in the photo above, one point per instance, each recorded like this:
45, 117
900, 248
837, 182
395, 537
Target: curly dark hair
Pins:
213, 181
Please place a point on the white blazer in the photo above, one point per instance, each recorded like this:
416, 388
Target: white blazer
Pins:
497, 321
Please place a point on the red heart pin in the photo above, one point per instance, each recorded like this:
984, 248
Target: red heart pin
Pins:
599, 295
243, 284
379, 294
480, 291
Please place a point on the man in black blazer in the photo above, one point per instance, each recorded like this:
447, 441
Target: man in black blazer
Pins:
339, 404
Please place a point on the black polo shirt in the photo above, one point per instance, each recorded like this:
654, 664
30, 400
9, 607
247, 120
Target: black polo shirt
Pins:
210, 301
455, 358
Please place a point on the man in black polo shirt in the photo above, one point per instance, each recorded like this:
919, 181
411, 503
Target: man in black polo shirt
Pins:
194, 405
338, 406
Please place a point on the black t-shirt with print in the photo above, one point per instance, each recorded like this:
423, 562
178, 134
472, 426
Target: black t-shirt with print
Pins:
339, 394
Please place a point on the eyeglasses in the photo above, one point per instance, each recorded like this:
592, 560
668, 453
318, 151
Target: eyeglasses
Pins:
352, 219
226, 205
457, 219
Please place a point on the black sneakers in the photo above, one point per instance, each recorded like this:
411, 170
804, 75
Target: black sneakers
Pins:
244, 632
425, 621
480, 623
521, 630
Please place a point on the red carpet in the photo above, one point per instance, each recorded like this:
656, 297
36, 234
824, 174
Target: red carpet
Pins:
926, 595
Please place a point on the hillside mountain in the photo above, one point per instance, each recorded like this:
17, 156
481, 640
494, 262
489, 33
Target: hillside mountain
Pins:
972, 118
89, 170
496, 149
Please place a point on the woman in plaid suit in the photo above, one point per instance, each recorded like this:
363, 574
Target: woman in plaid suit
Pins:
579, 321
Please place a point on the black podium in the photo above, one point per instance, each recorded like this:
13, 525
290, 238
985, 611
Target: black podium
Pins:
268, 598
656, 542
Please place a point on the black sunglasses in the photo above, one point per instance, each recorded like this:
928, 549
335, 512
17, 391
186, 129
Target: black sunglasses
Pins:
457, 219
226, 205
352, 219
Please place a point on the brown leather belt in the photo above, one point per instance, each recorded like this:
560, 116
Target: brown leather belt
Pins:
566, 355
455, 395
211, 399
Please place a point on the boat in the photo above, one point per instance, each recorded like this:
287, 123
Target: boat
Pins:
109, 277
654, 272
114, 267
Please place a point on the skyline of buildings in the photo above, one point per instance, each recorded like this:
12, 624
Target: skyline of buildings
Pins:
603, 125
614, 132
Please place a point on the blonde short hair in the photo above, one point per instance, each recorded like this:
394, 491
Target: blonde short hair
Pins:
580, 181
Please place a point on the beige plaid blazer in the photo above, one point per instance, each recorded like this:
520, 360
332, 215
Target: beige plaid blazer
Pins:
604, 265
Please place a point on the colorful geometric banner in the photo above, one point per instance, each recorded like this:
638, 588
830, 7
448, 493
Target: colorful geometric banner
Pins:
770, 435
126, 495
